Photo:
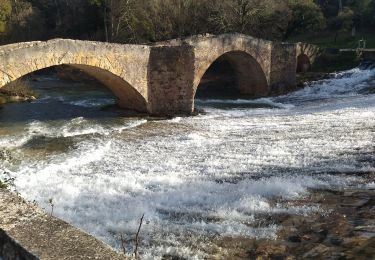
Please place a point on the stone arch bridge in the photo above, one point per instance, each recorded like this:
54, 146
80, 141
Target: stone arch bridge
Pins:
162, 78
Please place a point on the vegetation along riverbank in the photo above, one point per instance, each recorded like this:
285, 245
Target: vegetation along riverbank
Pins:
16, 91
248, 136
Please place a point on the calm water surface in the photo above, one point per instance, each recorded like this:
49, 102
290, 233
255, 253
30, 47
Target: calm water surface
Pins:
194, 178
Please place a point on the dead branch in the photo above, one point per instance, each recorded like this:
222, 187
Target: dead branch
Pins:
136, 241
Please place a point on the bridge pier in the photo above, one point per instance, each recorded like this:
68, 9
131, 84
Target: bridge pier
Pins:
283, 67
170, 77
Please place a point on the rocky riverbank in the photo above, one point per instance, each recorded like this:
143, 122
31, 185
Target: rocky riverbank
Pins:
17, 91
342, 228
4, 98
26, 230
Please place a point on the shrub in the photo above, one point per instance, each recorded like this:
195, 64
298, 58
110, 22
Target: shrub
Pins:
17, 88
3, 185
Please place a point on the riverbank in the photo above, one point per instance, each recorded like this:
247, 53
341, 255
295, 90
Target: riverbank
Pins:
27, 232
342, 228
206, 184
17, 91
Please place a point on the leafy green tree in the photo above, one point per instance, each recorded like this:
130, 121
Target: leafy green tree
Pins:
306, 16
137, 21
343, 22
5, 12
369, 16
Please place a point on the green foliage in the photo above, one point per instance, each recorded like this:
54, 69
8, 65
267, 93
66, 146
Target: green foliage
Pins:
332, 62
343, 21
306, 17
3, 185
370, 14
5, 11
137, 21
18, 88
343, 39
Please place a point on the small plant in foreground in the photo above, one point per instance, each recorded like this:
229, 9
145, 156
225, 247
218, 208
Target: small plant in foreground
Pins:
3, 185
50, 201
123, 244
50, 231
136, 241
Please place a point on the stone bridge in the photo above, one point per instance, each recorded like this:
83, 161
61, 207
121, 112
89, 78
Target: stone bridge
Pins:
160, 79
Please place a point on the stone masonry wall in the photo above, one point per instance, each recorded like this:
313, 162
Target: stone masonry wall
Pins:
28, 231
171, 75
10, 249
283, 67
161, 79
127, 63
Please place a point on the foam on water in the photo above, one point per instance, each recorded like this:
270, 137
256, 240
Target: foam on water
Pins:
98, 102
200, 177
342, 84
266, 102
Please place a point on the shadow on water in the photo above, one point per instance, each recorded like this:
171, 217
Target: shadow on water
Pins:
228, 104
62, 100
23, 112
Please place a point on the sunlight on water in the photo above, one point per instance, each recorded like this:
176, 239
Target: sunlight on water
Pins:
198, 177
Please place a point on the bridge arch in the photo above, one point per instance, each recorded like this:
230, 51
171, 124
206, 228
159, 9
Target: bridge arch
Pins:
250, 78
306, 55
303, 63
250, 59
109, 64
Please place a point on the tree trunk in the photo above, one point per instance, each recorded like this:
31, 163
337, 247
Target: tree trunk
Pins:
340, 6
59, 20
105, 21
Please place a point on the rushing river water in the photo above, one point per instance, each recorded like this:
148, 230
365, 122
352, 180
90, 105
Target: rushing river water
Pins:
194, 178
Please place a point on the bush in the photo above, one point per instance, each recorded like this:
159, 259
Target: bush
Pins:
3, 185
17, 88
331, 62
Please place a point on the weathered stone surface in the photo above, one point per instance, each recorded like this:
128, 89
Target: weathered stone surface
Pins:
10, 249
283, 65
368, 55
171, 73
332, 232
35, 233
161, 78
305, 56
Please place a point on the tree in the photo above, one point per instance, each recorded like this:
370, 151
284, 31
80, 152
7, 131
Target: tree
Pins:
360, 10
370, 14
5, 12
306, 16
139, 21
24, 23
343, 22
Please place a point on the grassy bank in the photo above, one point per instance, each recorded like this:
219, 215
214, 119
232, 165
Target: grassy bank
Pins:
329, 62
343, 40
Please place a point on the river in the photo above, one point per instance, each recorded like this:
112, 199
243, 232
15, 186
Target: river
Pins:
193, 178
